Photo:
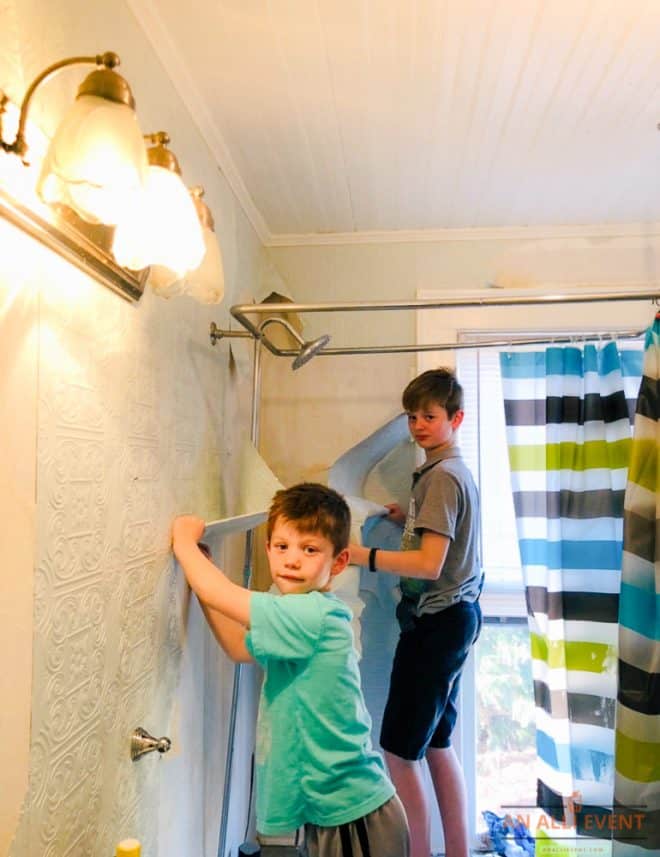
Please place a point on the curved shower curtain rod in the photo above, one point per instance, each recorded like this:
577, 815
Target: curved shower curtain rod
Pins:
255, 329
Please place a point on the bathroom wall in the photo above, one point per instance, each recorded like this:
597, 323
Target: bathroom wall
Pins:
113, 418
312, 416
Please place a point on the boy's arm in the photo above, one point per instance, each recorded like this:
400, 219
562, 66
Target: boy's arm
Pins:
229, 633
426, 563
209, 583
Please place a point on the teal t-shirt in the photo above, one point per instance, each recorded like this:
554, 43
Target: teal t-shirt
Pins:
314, 759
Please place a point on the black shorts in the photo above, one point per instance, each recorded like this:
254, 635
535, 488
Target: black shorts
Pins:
421, 705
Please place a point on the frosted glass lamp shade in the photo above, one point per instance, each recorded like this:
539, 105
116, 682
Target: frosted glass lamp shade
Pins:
96, 161
164, 282
162, 230
207, 282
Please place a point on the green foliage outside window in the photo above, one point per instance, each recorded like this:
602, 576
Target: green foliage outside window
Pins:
504, 689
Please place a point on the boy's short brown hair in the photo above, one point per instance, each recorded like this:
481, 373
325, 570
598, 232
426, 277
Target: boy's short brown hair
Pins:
313, 508
437, 386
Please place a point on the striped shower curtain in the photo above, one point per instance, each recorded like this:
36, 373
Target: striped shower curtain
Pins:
637, 753
568, 414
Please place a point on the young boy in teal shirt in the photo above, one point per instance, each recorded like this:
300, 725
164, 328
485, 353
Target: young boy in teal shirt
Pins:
314, 760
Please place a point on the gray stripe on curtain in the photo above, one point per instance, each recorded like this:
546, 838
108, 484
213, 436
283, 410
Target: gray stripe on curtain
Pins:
569, 504
569, 409
581, 707
631, 828
647, 401
640, 536
573, 606
639, 690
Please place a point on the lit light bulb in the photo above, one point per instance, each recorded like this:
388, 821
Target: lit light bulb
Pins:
162, 230
206, 282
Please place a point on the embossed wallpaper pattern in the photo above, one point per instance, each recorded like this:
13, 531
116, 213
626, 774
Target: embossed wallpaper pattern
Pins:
137, 420
128, 434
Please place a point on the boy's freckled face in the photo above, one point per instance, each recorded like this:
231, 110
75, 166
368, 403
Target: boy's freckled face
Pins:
299, 562
432, 428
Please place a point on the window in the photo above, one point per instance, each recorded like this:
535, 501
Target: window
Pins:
483, 443
506, 746
499, 761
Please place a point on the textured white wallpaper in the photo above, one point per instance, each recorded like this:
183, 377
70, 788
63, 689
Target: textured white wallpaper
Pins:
125, 415
129, 433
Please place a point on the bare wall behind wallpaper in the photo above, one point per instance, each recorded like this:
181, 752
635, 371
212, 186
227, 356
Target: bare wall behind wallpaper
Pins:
311, 417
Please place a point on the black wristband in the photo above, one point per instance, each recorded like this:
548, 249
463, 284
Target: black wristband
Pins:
372, 559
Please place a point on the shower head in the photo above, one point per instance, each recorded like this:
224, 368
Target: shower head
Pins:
309, 350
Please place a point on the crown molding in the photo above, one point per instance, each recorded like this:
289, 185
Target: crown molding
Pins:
495, 233
155, 30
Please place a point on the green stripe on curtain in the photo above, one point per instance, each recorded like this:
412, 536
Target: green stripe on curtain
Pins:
573, 456
644, 464
584, 656
637, 761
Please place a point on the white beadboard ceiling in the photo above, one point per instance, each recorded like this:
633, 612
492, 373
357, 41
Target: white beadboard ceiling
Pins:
338, 119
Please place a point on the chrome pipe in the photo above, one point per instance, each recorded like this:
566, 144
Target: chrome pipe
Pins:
241, 311
247, 567
445, 303
303, 355
509, 342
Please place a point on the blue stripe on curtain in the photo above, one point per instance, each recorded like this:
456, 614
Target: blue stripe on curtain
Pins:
578, 397
605, 555
528, 364
583, 763
639, 610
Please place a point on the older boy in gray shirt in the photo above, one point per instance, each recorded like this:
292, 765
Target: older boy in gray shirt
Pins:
439, 613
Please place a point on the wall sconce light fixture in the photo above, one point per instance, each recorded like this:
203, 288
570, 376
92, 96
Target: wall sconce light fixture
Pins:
96, 161
163, 230
98, 173
93, 199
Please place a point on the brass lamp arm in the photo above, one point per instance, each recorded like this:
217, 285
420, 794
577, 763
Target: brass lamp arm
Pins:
19, 146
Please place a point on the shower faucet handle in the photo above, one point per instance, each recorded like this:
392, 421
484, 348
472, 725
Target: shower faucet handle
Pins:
142, 742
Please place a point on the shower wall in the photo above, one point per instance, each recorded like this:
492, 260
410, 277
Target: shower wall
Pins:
312, 416
113, 418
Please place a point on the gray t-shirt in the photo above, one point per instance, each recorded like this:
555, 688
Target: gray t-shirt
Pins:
444, 500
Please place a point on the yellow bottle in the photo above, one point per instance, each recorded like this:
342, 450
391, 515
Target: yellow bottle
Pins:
128, 848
